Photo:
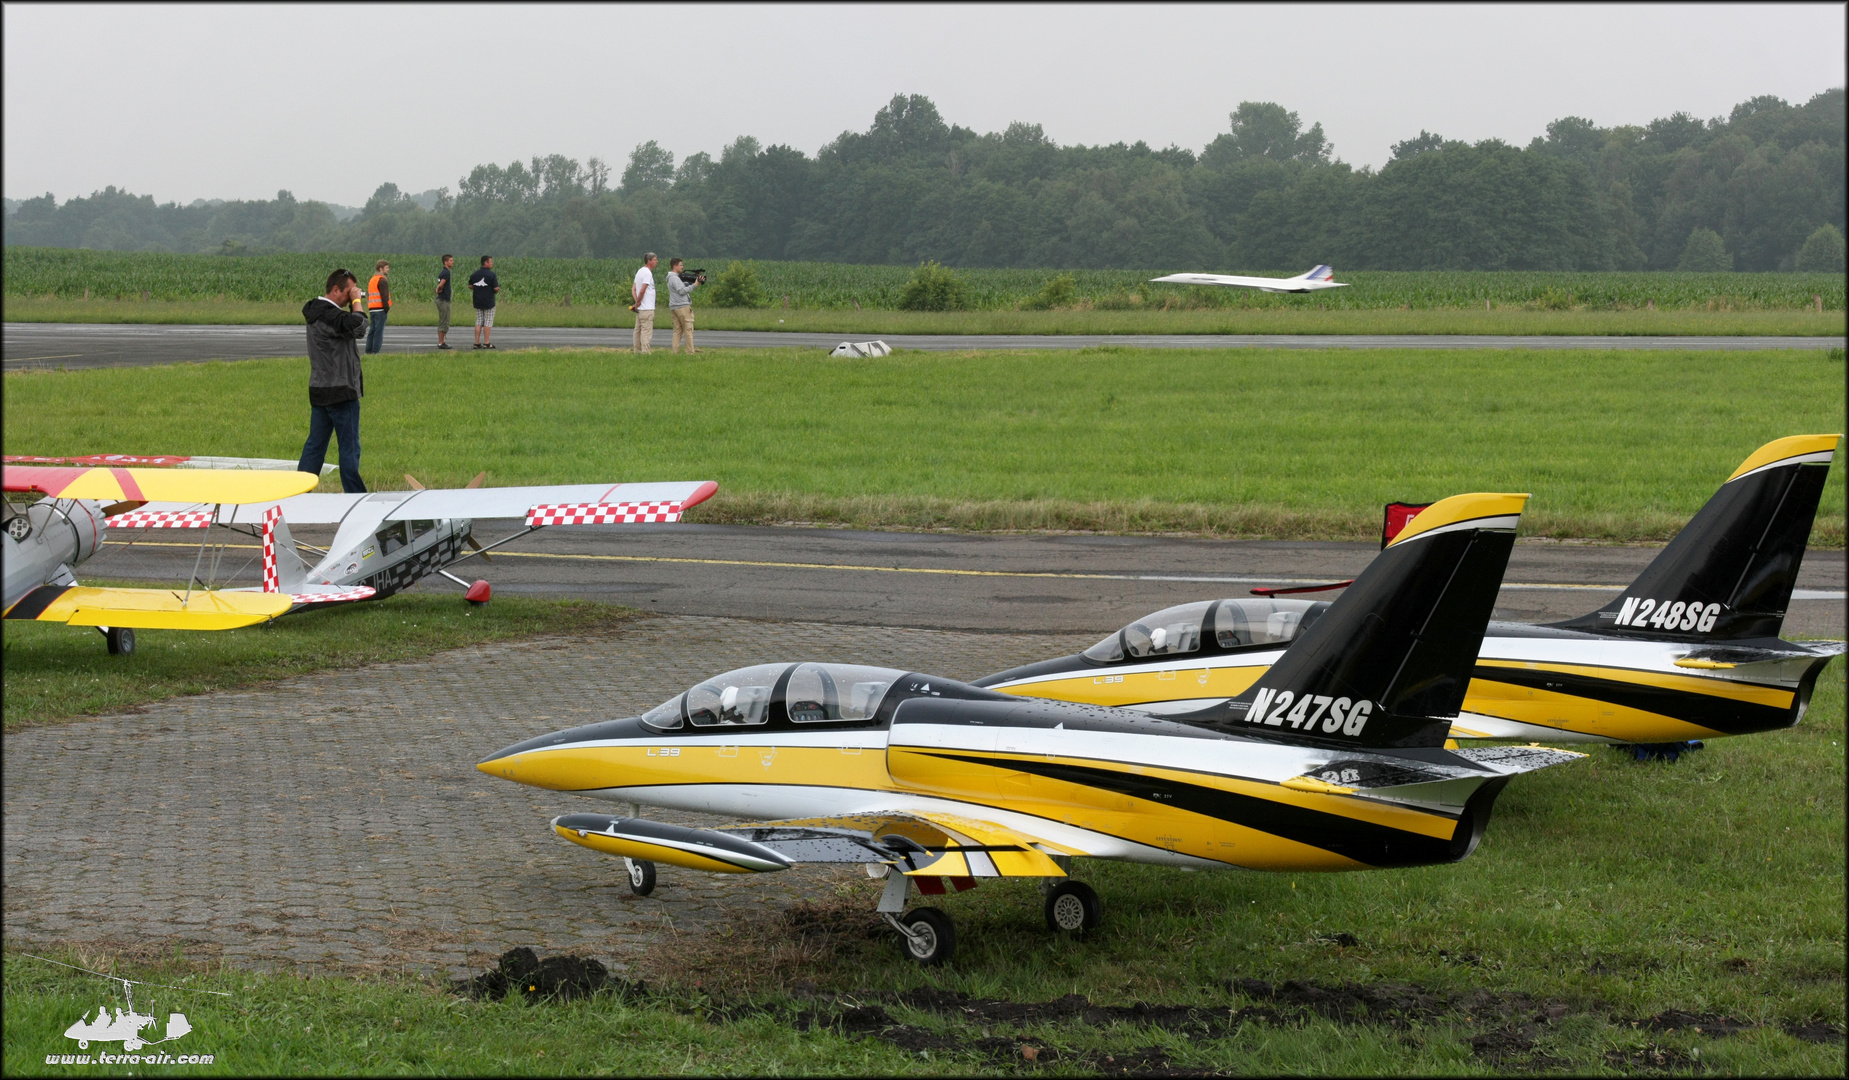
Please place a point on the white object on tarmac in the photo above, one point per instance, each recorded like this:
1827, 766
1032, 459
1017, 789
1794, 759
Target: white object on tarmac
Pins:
862, 348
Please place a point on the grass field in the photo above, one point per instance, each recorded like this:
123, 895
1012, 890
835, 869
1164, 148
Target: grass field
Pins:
1506, 320
1617, 919
1243, 442
71, 274
55, 672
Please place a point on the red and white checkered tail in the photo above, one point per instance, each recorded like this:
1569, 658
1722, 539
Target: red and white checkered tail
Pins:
270, 518
629, 513
282, 567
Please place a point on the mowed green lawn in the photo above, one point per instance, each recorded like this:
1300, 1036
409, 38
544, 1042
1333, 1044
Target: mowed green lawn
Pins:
1250, 442
1606, 898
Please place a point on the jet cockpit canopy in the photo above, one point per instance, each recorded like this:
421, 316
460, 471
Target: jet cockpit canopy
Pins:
802, 693
1222, 624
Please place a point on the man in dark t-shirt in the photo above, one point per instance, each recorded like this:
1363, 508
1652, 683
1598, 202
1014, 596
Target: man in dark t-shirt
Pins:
484, 285
443, 301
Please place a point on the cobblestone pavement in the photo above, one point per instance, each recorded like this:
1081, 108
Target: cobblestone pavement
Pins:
338, 818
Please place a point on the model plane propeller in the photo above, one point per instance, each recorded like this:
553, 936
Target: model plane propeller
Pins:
1690, 650
1334, 759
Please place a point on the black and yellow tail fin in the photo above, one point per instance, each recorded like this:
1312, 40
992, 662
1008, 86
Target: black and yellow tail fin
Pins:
1728, 574
1387, 665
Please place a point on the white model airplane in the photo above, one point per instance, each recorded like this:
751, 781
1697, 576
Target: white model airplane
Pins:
1322, 277
387, 540
1334, 759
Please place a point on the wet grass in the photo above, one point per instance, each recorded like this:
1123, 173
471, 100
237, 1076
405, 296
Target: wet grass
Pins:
55, 672
1280, 444
1618, 918
1502, 320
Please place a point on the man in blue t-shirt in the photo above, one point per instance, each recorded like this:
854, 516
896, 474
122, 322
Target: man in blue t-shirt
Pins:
484, 285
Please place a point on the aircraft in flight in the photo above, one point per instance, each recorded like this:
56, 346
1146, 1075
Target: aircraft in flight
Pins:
1689, 651
45, 539
1313, 280
1333, 759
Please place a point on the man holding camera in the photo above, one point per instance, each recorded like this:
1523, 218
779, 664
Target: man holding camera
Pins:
337, 321
681, 284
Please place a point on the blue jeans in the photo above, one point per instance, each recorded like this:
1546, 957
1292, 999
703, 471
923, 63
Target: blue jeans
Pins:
375, 332
342, 420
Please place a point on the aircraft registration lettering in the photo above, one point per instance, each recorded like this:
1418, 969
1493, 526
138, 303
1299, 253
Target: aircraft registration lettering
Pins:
1308, 711
1665, 615
664, 751
1102, 679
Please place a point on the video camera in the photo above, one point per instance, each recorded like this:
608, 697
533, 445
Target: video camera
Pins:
689, 277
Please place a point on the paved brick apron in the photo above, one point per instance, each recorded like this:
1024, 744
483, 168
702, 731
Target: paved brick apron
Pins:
338, 818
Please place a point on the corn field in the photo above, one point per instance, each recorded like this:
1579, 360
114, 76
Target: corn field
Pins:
71, 274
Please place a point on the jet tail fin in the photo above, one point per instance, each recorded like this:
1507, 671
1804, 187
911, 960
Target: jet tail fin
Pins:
1729, 573
1387, 665
1319, 273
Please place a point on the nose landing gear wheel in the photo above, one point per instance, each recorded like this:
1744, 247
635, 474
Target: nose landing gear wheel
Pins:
121, 640
1073, 908
929, 936
641, 875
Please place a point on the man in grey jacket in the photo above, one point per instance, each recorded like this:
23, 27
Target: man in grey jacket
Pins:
335, 382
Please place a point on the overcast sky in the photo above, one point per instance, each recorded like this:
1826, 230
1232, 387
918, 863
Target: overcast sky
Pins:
184, 102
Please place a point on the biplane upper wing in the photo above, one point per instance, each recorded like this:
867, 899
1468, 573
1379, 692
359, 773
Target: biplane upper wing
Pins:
569, 504
919, 843
192, 487
149, 609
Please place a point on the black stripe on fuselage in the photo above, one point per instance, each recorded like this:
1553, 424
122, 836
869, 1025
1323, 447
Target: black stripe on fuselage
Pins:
1363, 841
1727, 715
34, 603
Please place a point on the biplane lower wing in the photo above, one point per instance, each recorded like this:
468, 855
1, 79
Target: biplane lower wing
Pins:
148, 609
919, 843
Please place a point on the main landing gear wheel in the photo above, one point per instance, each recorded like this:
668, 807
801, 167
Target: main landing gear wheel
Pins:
121, 640
641, 875
1073, 908
929, 937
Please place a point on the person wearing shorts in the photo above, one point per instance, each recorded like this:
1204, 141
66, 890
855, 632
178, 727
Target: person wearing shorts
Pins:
443, 301
483, 284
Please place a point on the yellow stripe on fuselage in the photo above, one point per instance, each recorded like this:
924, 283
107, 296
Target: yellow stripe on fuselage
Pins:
1562, 711
1141, 687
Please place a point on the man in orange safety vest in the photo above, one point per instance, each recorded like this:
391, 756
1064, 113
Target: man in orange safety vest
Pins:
378, 305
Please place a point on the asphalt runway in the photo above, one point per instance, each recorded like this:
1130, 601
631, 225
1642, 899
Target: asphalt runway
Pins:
980, 583
28, 346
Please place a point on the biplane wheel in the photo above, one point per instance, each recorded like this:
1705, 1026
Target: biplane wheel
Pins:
933, 939
641, 875
121, 640
1072, 907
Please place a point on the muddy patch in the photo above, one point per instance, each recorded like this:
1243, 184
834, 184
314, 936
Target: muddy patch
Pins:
554, 978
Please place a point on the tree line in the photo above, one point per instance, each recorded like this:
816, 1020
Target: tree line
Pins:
1761, 189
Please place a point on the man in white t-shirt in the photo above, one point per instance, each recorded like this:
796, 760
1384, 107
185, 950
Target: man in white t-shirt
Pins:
643, 302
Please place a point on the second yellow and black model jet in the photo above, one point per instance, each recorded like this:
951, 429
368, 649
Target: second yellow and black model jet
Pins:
1689, 651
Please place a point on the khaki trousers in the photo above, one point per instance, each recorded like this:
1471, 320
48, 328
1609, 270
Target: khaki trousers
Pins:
683, 324
645, 330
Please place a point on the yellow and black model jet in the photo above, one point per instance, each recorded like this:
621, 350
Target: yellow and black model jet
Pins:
1689, 651
1332, 759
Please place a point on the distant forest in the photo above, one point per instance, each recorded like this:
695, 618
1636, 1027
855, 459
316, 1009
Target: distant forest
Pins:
1745, 192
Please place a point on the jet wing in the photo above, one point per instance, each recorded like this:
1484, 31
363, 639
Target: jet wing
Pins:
148, 609
921, 844
656, 501
193, 486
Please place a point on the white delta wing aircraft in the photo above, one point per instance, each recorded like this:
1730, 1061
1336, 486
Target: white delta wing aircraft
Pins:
1322, 277
1334, 759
